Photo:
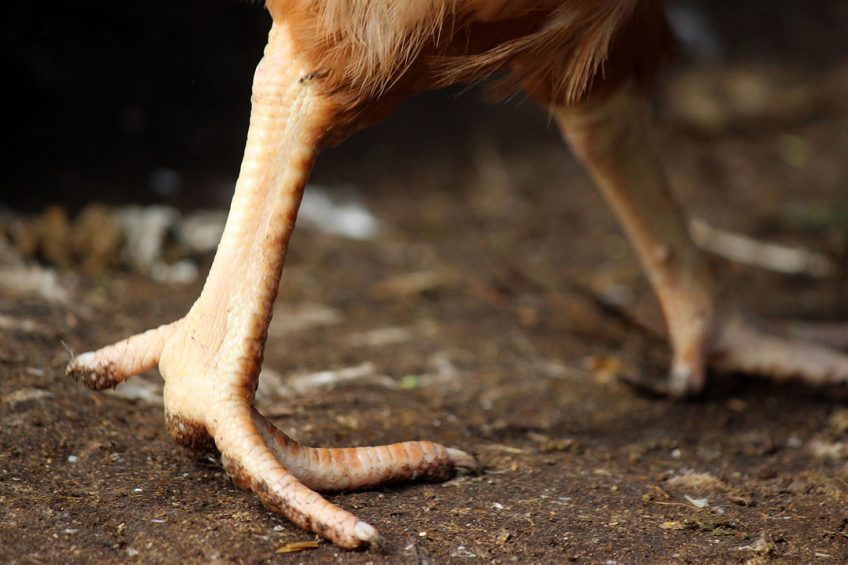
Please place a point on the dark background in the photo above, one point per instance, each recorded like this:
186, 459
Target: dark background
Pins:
148, 101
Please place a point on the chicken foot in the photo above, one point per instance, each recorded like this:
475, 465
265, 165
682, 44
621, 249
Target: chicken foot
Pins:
210, 359
611, 136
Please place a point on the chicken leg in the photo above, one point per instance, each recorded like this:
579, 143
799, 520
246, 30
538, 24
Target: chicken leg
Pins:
211, 358
610, 134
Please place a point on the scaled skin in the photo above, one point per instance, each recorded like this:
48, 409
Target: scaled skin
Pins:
612, 137
211, 358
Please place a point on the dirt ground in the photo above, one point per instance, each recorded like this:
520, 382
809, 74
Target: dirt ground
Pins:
491, 313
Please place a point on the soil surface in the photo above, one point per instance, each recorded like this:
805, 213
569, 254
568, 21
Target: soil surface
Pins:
492, 312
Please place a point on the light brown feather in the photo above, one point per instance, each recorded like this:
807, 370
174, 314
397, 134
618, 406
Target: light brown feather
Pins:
372, 53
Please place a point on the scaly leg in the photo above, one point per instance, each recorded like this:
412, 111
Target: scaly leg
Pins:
611, 136
210, 359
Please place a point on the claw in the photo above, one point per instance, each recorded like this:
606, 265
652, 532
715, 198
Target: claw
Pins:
739, 347
112, 365
253, 465
355, 468
688, 374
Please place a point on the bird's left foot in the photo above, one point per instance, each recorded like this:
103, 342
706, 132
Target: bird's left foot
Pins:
731, 344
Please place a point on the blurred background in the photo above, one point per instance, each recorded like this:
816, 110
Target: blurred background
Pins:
149, 102
119, 104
